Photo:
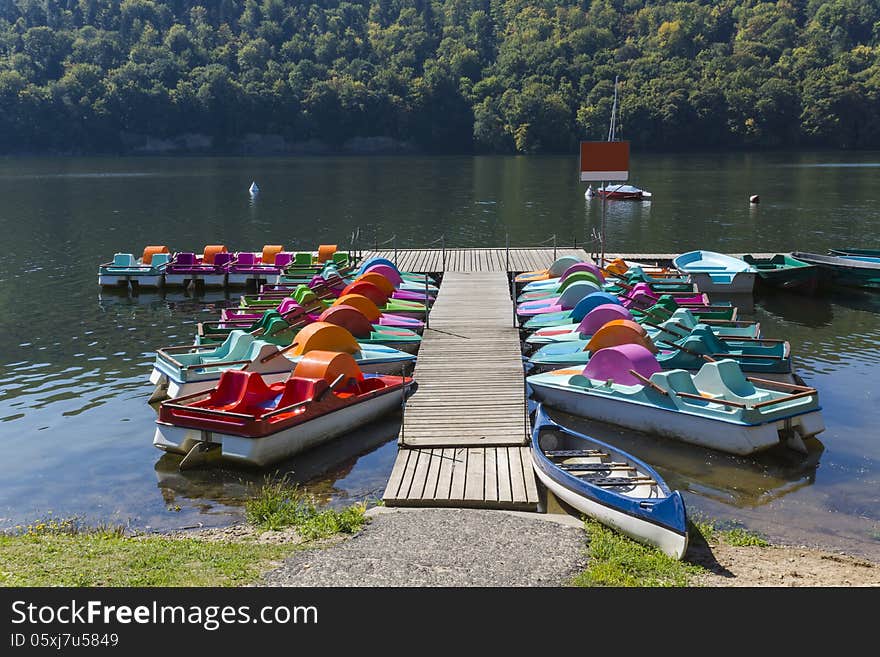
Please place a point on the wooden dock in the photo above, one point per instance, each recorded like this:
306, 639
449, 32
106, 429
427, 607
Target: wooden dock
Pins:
474, 260
465, 430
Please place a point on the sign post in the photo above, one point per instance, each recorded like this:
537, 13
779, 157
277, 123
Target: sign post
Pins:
602, 162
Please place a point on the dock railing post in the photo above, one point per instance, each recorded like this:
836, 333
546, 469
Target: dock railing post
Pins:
507, 252
427, 310
513, 297
394, 239
443, 246
402, 440
554, 247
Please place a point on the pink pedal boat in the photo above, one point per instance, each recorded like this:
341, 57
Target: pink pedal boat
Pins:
287, 306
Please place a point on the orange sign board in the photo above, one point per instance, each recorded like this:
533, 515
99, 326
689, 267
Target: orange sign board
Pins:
604, 160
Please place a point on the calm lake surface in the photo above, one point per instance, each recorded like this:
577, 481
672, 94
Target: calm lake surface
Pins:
75, 425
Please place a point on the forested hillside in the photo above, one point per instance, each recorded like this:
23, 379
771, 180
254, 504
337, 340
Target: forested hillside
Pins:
436, 75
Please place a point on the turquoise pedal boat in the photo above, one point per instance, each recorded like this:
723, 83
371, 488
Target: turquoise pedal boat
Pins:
187, 369
690, 352
676, 327
718, 407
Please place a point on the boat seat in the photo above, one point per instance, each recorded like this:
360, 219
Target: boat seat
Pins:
229, 391
302, 258
586, 467
616, 482
160, 259
703, 340
298, 389
235, 347
223, 259
185, 258
124, 260
340, 258
256, 398
283, 259
572, 453
676, 381
684, 317
724, 378
287, 305
246, 259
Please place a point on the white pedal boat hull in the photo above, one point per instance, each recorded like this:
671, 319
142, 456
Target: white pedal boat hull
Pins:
283, 444
730, 437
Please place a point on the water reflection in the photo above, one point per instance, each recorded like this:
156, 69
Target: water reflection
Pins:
346, 469
74, 360
733, 480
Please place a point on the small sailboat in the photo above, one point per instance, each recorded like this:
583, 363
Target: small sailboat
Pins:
617, 192
254, 189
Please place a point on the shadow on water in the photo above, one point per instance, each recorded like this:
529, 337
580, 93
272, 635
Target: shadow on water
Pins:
732, 480
331, 472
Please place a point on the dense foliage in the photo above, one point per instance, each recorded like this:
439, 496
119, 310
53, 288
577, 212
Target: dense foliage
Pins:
441, 75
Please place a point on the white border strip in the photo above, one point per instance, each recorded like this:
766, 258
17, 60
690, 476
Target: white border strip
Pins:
604, 175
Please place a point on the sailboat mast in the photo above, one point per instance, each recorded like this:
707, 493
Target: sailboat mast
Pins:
612, 129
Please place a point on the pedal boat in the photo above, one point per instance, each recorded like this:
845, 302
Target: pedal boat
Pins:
358, 301
553, 271
554, 283
561, 303
248, 268
661, 310
247, 421
764, 357
281, 329
208, 270
148, 271
609, 485
186, 369
679, 325
718, 407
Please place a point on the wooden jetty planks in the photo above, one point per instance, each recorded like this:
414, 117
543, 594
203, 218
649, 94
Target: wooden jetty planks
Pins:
474, 260
469, 368
474, 477
463, 440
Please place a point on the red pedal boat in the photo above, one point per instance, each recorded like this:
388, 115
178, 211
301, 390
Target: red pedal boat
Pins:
246, 421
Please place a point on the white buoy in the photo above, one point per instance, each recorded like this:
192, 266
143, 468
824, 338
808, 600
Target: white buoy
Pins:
589, 192
254, 190
754, 199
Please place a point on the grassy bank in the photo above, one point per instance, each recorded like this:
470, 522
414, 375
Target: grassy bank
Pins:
616, 560
64, 553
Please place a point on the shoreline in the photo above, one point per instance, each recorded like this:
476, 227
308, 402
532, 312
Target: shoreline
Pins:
423, 547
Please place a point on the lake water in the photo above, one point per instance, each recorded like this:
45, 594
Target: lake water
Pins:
75, 425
